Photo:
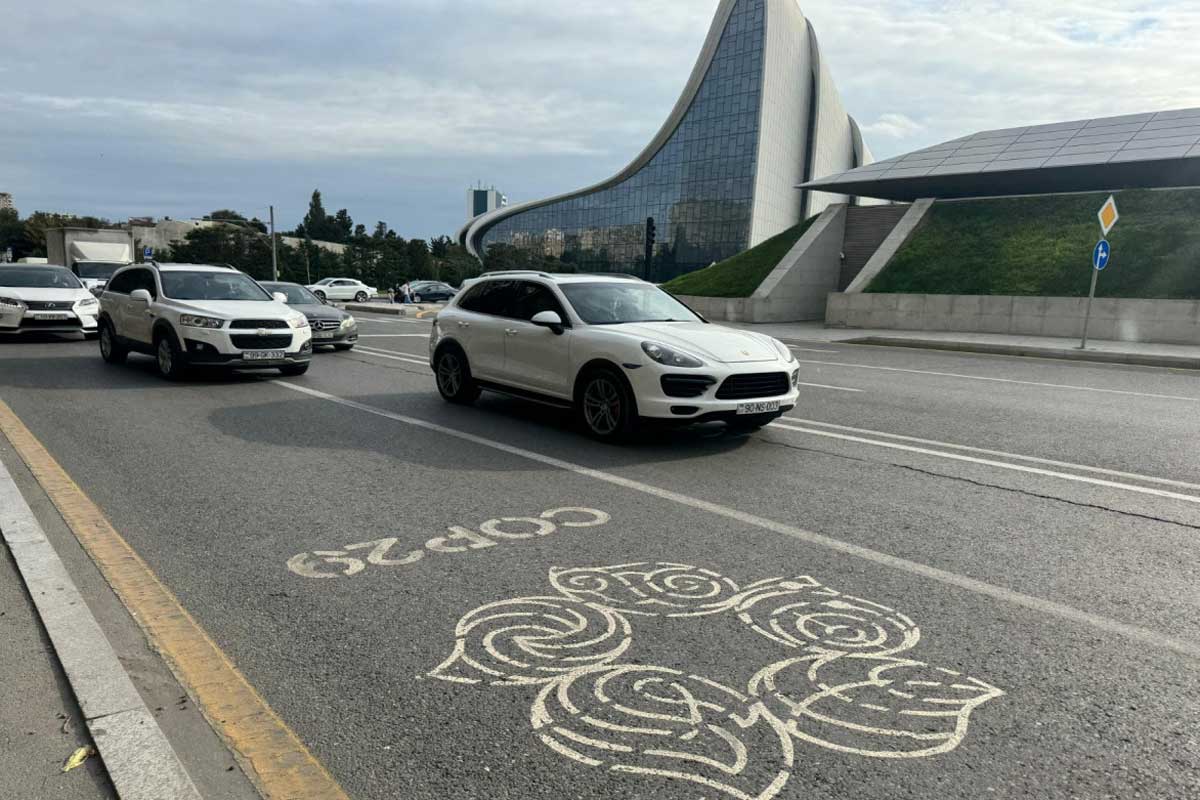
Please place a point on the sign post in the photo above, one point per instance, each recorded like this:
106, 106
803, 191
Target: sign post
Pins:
147, 254
1101, 256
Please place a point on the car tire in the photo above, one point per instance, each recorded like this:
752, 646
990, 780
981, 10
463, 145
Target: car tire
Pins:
416, 298
606, 406
453, 375
361, 297
343, 347
110, 349
293, 370
169, 357
320, 295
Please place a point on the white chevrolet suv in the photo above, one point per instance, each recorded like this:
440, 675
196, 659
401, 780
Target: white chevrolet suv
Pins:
190, 315
616, 349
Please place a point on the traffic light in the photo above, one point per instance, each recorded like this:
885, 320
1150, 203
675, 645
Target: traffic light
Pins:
651, 237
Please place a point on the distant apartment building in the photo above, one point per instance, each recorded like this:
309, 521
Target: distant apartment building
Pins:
6, 201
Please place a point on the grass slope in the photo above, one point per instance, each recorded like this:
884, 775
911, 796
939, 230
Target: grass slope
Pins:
740, 276
1042, 246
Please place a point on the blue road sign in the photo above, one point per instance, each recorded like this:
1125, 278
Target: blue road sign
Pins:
1101, 255
147, 253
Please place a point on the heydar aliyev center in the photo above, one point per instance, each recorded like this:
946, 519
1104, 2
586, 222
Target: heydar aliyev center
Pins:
759, 116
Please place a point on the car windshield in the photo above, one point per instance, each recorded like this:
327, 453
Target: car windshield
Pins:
212, 286
612, 303
38, 278
96, 270
296, 295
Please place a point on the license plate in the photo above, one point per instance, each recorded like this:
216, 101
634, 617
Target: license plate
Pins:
263, 355
763, 407
51, 316
324, 335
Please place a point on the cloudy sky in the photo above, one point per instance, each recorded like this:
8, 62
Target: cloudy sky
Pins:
394, 107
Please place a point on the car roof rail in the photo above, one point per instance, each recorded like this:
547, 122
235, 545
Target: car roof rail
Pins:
619, 275
537, 272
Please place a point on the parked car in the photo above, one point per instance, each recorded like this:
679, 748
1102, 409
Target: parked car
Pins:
342, 289
330, 325
190, 315
45, 298
431, 291
617, 350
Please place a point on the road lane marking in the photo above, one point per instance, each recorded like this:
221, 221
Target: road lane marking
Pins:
1000, 380
1032, 459
1010, 596
834, 388
306, 566
278, 762
393, 336
388, 321
367, 351
795, 349
1128, 487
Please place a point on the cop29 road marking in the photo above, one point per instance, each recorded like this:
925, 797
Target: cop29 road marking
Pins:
1001, 380
1048, 607
377, 552
983, 451
987, 462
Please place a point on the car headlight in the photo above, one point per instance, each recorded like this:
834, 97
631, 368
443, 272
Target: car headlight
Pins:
12, 302
670, 357
348, 322
86, 303
298, 322
194, 321
784, 351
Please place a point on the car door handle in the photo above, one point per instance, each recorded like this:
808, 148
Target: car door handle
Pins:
510, 332
464, 324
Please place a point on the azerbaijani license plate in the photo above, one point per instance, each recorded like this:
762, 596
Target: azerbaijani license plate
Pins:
324, 335
761, 407
263, 355
51, 316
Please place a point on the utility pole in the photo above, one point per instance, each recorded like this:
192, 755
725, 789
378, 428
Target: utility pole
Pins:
274, 248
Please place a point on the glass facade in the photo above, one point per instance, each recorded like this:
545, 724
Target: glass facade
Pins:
698, 188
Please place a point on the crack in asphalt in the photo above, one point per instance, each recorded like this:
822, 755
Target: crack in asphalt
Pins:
986, 485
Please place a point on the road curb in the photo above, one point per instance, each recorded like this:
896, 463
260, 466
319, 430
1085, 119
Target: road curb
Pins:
140, 761
1098, 356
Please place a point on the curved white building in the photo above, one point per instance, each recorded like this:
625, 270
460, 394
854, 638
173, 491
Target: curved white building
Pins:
760, 115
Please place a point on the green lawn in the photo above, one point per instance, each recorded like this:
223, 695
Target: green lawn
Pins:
740, 276
1042, 246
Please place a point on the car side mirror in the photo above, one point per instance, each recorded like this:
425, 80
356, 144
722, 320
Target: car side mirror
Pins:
549, 319
279, 297
141, 295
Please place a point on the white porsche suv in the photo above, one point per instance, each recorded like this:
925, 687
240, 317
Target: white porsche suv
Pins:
190, 315
616, 349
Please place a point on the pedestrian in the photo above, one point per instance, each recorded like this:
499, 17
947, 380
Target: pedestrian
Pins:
406, 292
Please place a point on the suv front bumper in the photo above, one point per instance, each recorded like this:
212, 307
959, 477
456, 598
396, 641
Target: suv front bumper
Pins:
17, 320
215, 348
654, 403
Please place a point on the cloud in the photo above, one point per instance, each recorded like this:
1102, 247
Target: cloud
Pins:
895, 126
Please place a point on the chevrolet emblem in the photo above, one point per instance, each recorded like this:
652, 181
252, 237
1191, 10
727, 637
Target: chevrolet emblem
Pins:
263, 331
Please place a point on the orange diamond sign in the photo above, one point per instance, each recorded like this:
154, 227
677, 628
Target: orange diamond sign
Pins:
1109, 215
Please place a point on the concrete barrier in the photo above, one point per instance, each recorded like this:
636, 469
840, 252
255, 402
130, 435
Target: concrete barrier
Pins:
1113, 319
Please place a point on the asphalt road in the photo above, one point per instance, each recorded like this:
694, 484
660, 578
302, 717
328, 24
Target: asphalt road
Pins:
943, 575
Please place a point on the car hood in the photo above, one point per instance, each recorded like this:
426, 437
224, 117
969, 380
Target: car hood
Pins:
46, 295
712, 342
319, 311
237, 309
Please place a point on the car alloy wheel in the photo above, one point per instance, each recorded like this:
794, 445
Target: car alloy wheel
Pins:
166, 357
361, 297
416, 298
105, 342
320, 296
450, 374
602, 406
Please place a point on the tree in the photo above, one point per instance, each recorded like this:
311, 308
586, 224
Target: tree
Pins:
229, 215
12, 233
440, 246
316, 222
341, 227
419, 264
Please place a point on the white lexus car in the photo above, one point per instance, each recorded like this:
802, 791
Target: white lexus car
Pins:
45, 299
342, 289
618, 350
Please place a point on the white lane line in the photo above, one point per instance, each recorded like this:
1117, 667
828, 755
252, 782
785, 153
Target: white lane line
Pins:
387, 321
1000, 380
1187, 498
1016, 456
795, 349
392, 356
834, 388
393, 336
1050, 607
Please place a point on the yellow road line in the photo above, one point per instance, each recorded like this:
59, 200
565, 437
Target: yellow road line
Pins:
275, 758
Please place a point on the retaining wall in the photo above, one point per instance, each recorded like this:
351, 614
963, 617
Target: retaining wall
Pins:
1123, 320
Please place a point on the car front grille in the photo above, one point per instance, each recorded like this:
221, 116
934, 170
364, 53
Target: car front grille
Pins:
686, 385
254, 324
762, 384
43, 305
325, 324
281, 342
